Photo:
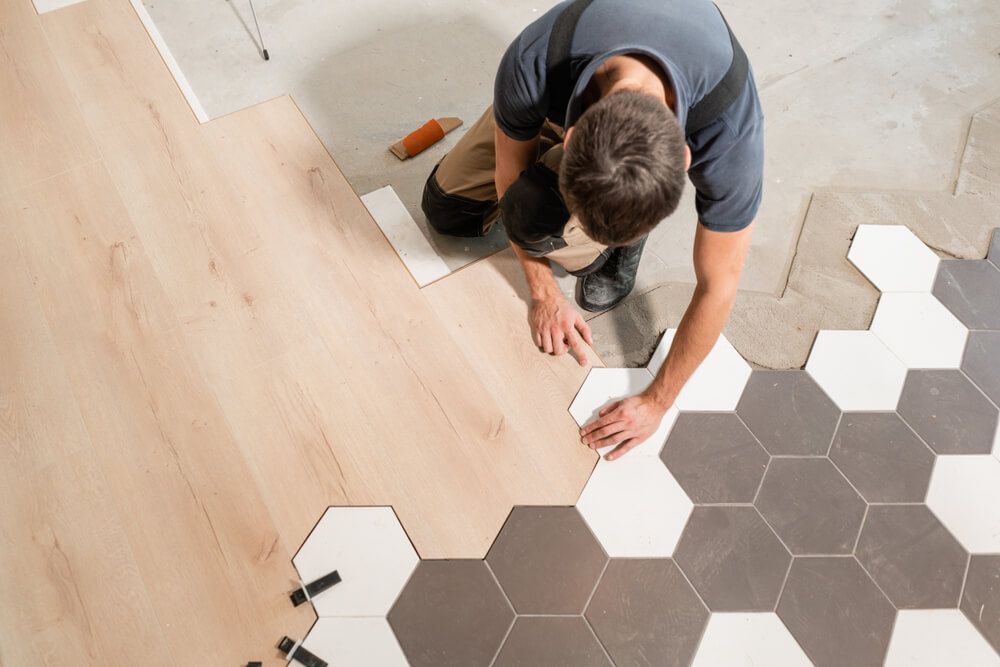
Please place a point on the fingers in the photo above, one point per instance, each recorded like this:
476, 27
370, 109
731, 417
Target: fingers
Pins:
546, 345
606, 436
558, 343
621, 450
584, 329
609, 408
576, 347
604, 418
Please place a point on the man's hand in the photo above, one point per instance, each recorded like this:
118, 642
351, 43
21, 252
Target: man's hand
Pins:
627, 423
557, 327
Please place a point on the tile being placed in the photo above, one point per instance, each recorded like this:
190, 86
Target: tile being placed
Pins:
948, 412
856, 370
714, 457
645, 613
546, 560
602, 387
981, 597
369, 549
718, 382
788, 413
635, 507
912, 557
811, 506
893, 258
451, 613
919, 330
969, 289
982, 362
965, 495
732, 558
882, 457
551, 640
355, 642
413, 248
836, 612
745, 640
935, 637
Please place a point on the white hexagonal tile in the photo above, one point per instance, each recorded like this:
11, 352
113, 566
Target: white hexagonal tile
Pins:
965, 495
369, 549
856, 370
604, 385
718, 382
919, 330
935, 637
893, 258
355, 642
635, 507
745, 640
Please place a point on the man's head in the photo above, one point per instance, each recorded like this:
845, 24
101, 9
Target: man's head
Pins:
624, 167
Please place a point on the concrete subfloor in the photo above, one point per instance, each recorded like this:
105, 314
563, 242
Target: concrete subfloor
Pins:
858, 97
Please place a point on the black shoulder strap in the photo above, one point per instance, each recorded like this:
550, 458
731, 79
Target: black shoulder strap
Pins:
557, 58
726, 92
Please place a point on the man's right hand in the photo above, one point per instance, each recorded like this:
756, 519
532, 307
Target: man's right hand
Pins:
556, 327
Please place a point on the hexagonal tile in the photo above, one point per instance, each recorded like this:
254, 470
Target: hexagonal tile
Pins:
369, 549
965, 495
788, 412
451, 613
948, 412
836, 612
935, 637
748, 639
733, 559
919, 330
912, 557
893, 258
635, 507
602, 387
530, 560
354, 642
969, 289
882, 457
551, 640
718, 382
811, 506
982, 362
715, 458
645, 613
981, 597
856, 370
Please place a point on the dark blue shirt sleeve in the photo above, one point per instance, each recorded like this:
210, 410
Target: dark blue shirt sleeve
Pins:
519, 102
727, 174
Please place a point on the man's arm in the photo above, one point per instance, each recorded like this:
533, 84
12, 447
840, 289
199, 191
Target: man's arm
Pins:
718, 263
555, 325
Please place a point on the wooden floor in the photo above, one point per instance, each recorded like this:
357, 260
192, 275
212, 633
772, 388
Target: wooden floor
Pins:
204, 342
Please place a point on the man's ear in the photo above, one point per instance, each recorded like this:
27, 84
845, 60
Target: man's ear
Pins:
567, 135
687, 157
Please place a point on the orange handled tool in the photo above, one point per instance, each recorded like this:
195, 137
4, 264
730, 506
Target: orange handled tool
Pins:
424, 137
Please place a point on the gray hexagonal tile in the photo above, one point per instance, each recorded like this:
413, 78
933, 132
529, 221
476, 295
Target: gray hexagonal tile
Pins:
981, 597
451, 612
982, 362
551, 640
948, 412
969, 289
811, 506
882, 457
912, 557
788, 412
546, 560
836, 612
994, 252
714, 457
645, 613
733, 559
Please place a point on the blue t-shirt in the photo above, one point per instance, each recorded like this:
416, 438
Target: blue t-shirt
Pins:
690, 42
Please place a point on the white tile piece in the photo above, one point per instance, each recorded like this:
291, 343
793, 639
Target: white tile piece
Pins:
605, 385
718, 382
355, 642
369, 549
42, 6
996, 443
965, 495
748, 640
413, 248
635, 507
919, 330
856, 370
936, 637
893, 258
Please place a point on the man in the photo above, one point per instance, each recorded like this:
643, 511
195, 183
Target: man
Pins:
647, 90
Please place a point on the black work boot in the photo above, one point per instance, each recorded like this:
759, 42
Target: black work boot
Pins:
606, 287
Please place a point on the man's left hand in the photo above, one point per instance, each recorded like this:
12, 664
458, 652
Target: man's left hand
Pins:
627, 423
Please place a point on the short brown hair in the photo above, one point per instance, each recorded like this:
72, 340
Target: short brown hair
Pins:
623, 170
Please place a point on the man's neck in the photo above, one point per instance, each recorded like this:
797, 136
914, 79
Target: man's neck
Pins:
633, 72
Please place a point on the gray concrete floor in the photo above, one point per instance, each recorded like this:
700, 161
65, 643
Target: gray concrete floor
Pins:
857, 95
